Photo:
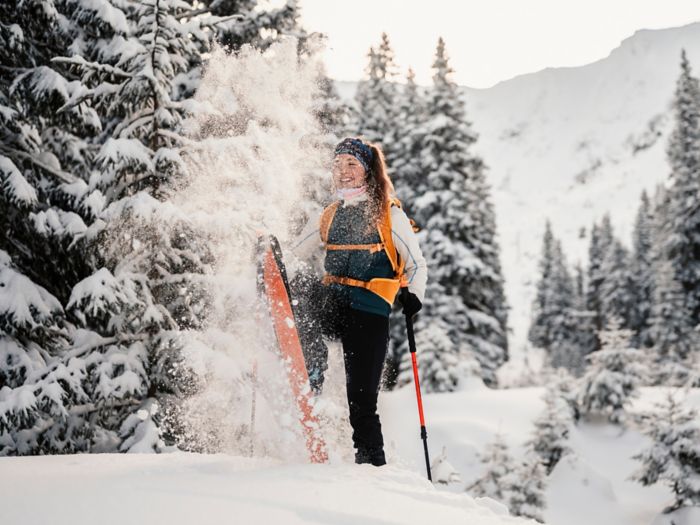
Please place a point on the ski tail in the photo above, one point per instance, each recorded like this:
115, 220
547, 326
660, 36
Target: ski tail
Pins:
274, 287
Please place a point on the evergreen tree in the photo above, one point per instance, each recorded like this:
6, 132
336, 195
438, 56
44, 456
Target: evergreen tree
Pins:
39, 388
459, 229
526, 490
44, 207
642, 275
551, 433
498, 467
406, 175
683, 244
601, 241
376, 99
407, 171
558, 324
674, 337
144, 289
554, 294
674, 455
616, 293
613, 375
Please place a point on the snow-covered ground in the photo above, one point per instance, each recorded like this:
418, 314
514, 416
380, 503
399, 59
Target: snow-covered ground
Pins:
180, 488
589, 486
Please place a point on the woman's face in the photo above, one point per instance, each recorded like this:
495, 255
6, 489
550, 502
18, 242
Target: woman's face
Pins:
347, 172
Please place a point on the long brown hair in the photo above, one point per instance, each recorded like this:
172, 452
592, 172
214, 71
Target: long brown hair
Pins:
379, 185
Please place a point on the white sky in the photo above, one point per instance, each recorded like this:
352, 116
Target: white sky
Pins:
487, 40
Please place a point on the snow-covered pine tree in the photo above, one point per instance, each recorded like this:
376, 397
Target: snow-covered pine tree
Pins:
616, 292
551, 433
554, 294
601, 240
39, 387
459, 229
642, 275
613, 375
683, 244
407, 176
563, 384
583, 335
558, 325
42, 162
498, 467
146, 286
407, 172
376, 99
674, 338
44, 206
674, 455
526, 489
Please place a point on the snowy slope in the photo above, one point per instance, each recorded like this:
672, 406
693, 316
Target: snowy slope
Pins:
589, 486
179, 489
564, 144
569, 144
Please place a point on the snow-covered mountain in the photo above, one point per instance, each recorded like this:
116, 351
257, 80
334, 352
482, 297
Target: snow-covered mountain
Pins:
569, 144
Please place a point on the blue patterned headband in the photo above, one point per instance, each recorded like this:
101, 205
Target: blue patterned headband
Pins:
357, 149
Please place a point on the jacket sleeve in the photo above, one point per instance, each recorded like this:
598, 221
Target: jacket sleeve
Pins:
406, 243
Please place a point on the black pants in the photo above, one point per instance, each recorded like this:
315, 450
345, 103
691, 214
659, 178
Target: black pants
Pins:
365, 336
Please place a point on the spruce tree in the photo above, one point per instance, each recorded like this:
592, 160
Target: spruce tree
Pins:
559, 324
551, 432
675, 340
407, 171
498, 468
45, 208
642, 275
674, 455
526, 489
554, 296
406, 175
39, 387
613, 375
376, 99
683, 244
616, 293
458, 236
146, 256
601, 241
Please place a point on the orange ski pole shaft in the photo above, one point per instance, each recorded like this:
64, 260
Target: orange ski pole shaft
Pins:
419, 397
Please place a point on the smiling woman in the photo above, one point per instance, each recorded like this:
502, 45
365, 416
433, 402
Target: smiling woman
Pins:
371, 252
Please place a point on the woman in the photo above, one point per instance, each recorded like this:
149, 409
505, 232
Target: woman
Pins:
371, 251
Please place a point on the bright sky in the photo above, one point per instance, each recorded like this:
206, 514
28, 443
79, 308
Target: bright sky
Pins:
487, 40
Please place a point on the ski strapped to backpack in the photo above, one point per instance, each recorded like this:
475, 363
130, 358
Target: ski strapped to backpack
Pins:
383, 287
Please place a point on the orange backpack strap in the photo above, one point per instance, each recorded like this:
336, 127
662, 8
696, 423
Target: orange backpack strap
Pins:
327, 219
384, 227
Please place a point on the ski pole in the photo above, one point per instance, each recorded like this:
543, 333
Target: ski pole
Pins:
414, 361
